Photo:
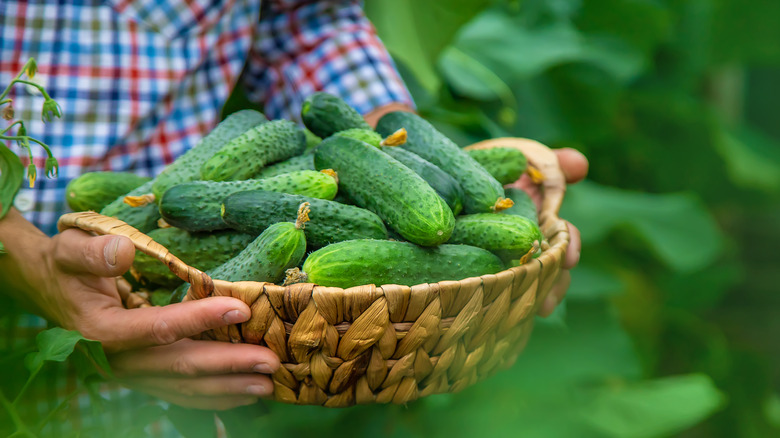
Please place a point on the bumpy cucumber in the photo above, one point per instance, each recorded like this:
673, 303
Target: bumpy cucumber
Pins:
311, 140
329, 221
201, 250
445, 185
301, 162
246, 154
280, 247
380, 183
481, 189
94, 190
524, 205
325, 114
143, 218
187, 167
509, 237
358, 262
505, 164
195, 206
365, 135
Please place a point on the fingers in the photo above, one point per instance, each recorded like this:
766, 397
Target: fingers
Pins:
556, 295
78, 252
573, 164
151, 326
188, 358
573, 252
256, 385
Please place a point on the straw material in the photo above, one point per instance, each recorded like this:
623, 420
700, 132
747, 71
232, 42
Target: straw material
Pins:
386, 344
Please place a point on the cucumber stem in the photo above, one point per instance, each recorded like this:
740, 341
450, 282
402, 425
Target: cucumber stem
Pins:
395, 139
303, 215
293, 276
332, 173
139, 201
502, 204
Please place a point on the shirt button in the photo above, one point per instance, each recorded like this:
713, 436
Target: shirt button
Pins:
25, 201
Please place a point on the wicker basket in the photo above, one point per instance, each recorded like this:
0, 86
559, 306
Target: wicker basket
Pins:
387, 344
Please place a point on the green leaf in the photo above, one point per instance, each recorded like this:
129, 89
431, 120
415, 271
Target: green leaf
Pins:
591, 283
676, 227
752, 159
471, 78
407, 30
11, 175
57, 344
193, 423
655, 408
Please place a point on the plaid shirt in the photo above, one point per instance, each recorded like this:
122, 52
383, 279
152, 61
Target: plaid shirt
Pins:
139, 82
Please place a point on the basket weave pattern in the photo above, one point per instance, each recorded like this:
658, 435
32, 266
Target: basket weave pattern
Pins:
381, 344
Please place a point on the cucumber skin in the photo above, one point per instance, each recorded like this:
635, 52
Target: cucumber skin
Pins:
143, 218
294, 164
196, 206
505, 164
200, 250
92, 191
358, 262
244, 156
524, 205
445, 185
365, 135
507, 236
277, 249
187, 167
480, 188
325, 114
380, 183
329, 221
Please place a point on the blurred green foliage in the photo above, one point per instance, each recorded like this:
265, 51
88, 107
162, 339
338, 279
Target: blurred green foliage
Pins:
669, 326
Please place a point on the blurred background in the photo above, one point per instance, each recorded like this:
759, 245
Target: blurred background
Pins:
672, 322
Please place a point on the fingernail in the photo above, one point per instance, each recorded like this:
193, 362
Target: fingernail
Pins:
234, 317
257, 390
110, 251
263, 368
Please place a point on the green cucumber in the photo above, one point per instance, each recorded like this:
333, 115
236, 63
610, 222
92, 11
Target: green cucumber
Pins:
244, 156
524, 205
195, 206
445, 185
301, 162
200, 250
329, 221
365, 135
358, 262
382, 184
143, 218
505, 164
187, 167
311, 140
481, 189
280, 247
325, 114
94, 190
509, 237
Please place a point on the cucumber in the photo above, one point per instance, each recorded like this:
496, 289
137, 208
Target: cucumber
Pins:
187, 167
143, 218
280, 247
509, 237
325, 114
482, 191
380, 183
94, 190
439, 180
195, 206
201, 250
505, 164
524, 205
253, 211
245, 155
311, 140
365, 135
358, 262
301, 162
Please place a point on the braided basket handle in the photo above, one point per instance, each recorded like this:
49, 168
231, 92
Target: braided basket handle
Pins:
545, 160
201, 284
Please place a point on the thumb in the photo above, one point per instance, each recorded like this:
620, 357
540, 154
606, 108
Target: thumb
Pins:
151, 326
78, 252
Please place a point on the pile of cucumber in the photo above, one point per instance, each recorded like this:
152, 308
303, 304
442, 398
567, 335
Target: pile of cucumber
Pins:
344, 204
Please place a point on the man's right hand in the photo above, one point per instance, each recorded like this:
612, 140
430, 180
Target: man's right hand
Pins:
70, 279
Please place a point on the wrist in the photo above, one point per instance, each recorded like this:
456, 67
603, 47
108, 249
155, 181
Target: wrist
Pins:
373, 116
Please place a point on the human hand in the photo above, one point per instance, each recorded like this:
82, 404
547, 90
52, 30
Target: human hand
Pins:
71, 280
575, 167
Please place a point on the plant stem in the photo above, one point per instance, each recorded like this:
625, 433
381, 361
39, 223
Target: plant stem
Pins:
3, 102
18, 122
33, 84
54, 411
8, 88
26, 385
21, 428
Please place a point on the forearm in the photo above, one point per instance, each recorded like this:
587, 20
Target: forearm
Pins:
25, 247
